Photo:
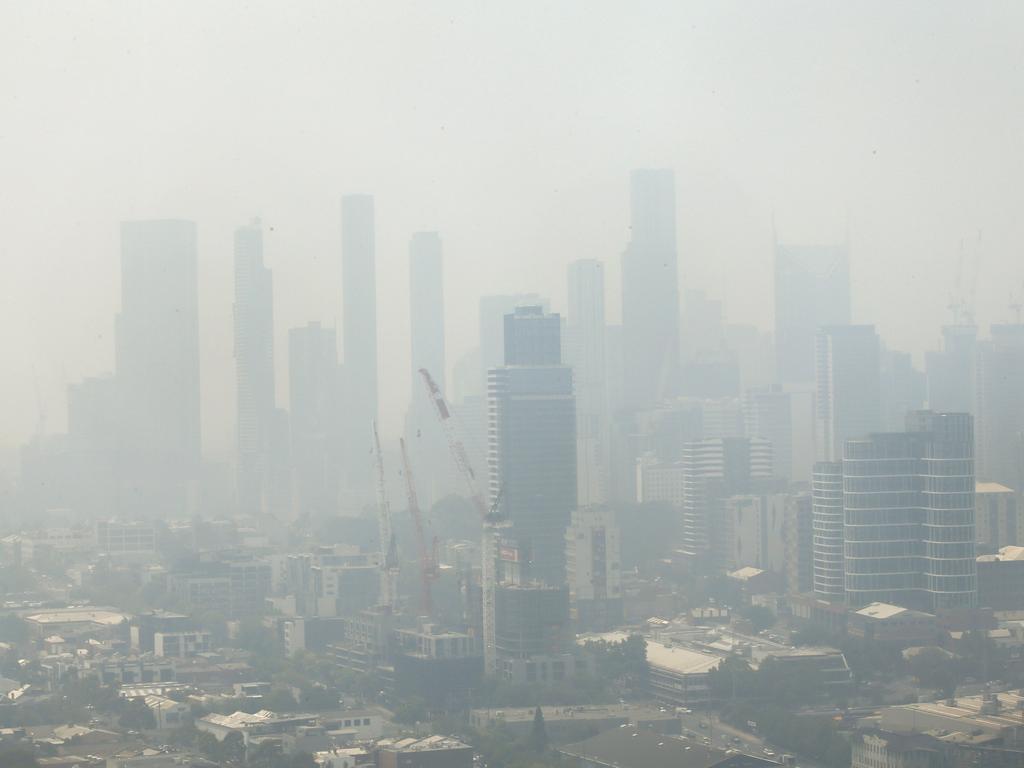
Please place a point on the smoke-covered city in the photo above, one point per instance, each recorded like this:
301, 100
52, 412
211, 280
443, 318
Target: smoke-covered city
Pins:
511, 385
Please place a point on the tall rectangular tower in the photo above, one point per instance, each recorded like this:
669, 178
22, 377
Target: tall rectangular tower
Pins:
1000, 407
254, 369
423, 433
157, 349
650, 291
532, 438
359, 318
848, 387
812, 290
585, 329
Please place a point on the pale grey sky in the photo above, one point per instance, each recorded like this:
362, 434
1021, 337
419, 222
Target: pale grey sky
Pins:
510, 128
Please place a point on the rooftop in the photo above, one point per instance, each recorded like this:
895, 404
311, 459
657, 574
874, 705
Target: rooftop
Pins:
881, 610
78, 615
990, 487
1010, 553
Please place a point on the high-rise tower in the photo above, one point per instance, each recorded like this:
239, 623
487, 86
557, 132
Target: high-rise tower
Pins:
585, 345
359, 316
533, 441
650, 291
254, 369
157, 366
424, 437
848, 387
812, 290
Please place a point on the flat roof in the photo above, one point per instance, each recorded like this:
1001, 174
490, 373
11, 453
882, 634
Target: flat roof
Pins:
681, 660
989, 487
881, 610
78, 615
1010, 553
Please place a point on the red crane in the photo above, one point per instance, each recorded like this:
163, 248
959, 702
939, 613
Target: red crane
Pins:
428, 558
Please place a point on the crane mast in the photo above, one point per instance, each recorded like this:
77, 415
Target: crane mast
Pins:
388, 547
489, 517
428, 568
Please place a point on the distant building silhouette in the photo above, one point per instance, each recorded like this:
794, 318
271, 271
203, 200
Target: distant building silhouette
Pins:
254, 370
848, 387
1000, 406
359, 313
157, 369
812, 290
650, 291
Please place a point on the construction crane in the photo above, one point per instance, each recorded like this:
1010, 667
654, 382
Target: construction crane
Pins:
388, 548
490, 518
428, 558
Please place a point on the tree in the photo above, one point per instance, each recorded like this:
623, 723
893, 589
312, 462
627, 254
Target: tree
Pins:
18, 758
538, 733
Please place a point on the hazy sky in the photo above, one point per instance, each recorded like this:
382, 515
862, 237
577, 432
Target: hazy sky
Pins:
509, 127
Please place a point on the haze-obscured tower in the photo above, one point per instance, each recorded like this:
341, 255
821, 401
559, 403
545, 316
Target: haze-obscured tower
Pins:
848, 387
1000, 406
426, 332
532, 430
359, 314
827, 540
254, 369
585, 343
951, 372
650, 291
157, 350
313, 396
812, 290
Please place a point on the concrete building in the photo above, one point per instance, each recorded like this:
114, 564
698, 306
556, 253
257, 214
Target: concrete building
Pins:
493, 309
359, 326
157, 369
593, 569
848, 387
812, 290
126, 538
533, 635
533, 441
909, 515
714, 470
650, 291
892, 624
584, 342
754, 531
254, 371
798, 538
767, 413
999, 408
997, 516
181, 645
1001, 579
429, 752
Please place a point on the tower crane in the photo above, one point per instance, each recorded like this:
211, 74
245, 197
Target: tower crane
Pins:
490, 518
428, 560
388, 548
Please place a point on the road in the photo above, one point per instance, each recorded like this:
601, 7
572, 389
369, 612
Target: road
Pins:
721, 734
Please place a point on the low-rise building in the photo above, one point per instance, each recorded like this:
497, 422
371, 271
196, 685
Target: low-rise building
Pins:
894, 624
431, 752
1001, 579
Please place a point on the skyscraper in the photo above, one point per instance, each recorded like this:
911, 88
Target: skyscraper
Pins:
767, 413
827, 523
951, 372
908, 529
848, 387
712, 471
313, 404
492, 325
585, 342
1000, 406
426, 329
812, 289
359, 317
157, 369
533, 443
650, 291
254, 369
